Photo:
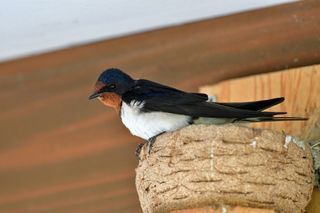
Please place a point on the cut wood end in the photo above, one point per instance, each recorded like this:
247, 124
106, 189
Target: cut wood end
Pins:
232, 165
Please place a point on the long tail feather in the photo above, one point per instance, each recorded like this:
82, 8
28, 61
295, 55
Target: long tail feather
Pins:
254, 105
271, 119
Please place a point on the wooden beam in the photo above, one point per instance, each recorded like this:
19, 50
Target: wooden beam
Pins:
61, 153
299, 86
190, 55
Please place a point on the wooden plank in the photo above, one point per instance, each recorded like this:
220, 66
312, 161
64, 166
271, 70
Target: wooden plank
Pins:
299, 86
190, 55
61, 153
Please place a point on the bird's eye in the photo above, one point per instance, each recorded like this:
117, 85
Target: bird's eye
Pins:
112, 86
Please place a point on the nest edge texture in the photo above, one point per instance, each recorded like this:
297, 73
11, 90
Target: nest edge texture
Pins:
209, 165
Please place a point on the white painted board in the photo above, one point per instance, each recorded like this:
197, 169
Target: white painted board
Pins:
37, 26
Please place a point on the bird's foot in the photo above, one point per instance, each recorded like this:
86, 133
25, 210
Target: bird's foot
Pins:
138, 150
150, 143
152, 140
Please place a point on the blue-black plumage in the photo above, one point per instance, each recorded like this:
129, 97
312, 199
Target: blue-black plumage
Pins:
148, 108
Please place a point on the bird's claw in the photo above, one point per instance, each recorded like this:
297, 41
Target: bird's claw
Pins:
150, 143
138, 150
152, 140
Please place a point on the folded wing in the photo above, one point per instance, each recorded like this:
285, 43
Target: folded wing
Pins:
157, 97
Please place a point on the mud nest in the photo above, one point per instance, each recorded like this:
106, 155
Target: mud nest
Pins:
231, 165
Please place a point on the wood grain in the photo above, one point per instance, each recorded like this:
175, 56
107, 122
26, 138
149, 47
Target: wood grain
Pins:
299, 86
61, 153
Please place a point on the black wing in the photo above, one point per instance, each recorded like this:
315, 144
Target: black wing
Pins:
157, 97
253, 105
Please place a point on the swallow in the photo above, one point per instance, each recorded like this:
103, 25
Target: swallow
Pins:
149, 109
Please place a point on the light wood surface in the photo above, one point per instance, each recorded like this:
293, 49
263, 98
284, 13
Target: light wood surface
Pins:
61, 153
299, 86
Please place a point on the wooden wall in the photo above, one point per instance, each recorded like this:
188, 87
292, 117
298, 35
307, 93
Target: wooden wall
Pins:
61, 153
299, 86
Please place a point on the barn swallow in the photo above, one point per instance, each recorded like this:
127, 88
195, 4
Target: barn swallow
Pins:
149, 109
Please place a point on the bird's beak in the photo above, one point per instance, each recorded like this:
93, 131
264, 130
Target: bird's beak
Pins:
95, 95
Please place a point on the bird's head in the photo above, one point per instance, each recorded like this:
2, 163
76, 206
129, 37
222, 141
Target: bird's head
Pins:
112, 81
110, 86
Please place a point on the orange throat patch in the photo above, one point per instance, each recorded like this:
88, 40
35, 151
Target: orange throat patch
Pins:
111, 100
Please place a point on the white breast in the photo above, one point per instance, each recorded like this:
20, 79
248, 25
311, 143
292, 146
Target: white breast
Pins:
149, 124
